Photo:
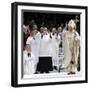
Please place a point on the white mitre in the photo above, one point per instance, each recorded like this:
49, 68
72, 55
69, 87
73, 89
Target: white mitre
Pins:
72, 24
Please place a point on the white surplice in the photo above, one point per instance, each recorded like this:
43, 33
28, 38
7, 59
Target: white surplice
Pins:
32, 42
55, 41
45, 46
28, 63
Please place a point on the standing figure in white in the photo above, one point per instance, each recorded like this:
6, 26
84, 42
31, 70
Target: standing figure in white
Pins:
45, 56
32, 41
55, 48
28, 61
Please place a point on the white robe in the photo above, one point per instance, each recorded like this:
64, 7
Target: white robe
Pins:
34, 47
28, 63
37, 39
71, 48
45, 46
55, 48
62, 39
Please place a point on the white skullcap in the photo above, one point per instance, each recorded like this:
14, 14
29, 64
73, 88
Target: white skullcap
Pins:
72, 24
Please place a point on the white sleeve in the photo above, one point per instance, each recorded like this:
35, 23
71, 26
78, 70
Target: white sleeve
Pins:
38, 35
33, 57
58, 39
77, 36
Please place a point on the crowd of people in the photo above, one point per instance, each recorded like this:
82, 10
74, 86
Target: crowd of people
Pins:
48, 49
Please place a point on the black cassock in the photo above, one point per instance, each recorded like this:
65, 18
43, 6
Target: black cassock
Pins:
45, 64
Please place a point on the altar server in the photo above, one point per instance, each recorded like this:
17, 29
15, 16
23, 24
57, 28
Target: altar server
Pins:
28, 61
45, 57
55, 48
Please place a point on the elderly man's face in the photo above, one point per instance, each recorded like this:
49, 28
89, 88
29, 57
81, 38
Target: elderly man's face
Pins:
70, 28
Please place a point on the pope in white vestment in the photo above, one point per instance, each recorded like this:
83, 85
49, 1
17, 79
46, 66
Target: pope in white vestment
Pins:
71, 48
